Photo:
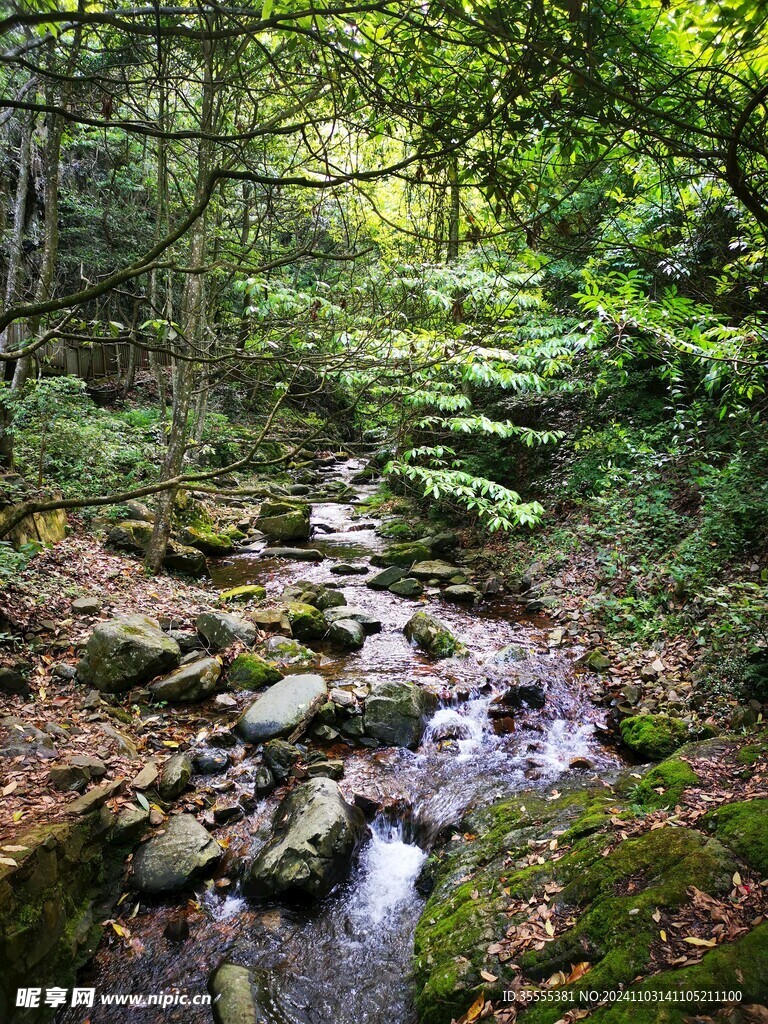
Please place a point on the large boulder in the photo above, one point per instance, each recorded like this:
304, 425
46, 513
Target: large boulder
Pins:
241, 595
189, 683
434, 569
284, 520
282, 708
307, 623
431, 635
298, 554
316, 833
127, 652
653, 737
395, 713
171, 861
383, 580
134, 535
220, 629
347, 634
175, 776
402, 555
207, 541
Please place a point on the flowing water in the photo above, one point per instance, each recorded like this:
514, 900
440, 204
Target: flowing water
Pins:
347, 961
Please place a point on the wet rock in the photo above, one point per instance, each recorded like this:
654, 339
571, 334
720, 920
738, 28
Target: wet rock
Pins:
503, 725
288, 652
210, 762
271, 620
285, 706
408, 587
172, 861
241, 595
369, 622
384, 580
177, 929
234, 992
431, 635
263, 781
307, 623
395, 713
462, 593
507, 655
280, 757
595, 660
297, 554
127, 652
402, 554
86, 606
316, 833
525, 695
175, 776
345, 569
251, 672
12, 681
188, 684
581, 764
220, 629
226, 813
347, 634
435, 569
284, 520
207, 541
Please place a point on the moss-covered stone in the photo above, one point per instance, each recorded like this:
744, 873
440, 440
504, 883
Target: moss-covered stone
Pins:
402, 554
251, 672
241, 595
207, 540
664, 784
744, 827
653, 737
307, 623
432, 636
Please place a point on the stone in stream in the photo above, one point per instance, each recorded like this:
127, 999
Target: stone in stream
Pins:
252, 672
285, 520
282, 708
189, 683
306, 592
526, 695
220, 629
240, 595
315, 835
395, 713
307, 623
240, 995
507, 655
347, 634
280, 757
384, 580
211, 762
172, 861
287, 651
299, 554
369, 622
175, 776
409, 587
127, 652
462, 593
345, 569
402, 554
435, 569
431, 635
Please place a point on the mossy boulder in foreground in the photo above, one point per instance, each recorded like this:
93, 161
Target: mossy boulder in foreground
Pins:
653, 737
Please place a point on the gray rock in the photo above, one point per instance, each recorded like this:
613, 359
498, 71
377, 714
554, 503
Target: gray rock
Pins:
189, 683
384, 580
12, 681
288, 651
220, 629
210, 762
263, 781
86, 606
369, 622
131, 824
298, 554
282, 708
147, 776
175, 776
235, 995
431, 635
435, 569
345, 569
347, 634
127, 652
280, 757
291, 522
315, 836
395, 713
507, 655
462, 593
409, 587
187, 640
19, 738
172, 861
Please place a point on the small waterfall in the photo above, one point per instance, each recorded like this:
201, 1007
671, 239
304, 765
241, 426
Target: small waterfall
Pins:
388, 870
467, 725
563, 742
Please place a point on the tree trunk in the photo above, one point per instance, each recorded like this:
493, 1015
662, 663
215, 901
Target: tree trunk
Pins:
454, 210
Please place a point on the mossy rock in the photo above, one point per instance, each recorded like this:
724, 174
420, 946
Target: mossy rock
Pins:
240, 595
307, 623
653, 737
207, 541
432, 636
251, 672
664, 785
403, 555
744, 827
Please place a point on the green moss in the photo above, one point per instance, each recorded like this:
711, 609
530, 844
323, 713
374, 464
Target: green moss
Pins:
248, 592
653, 737
744, 827
250, 672
752, 754
307, 623
402, 554
664, 785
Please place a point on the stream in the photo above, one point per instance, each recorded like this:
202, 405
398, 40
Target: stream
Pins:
347, 960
